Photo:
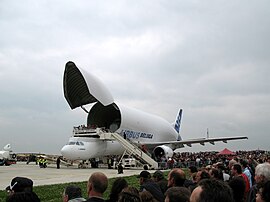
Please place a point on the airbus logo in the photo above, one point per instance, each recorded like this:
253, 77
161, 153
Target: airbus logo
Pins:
136, 135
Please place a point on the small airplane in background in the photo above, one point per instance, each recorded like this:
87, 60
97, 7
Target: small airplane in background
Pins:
151, 132
7, 157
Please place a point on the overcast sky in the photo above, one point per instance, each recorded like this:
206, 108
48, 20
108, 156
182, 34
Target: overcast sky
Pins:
210, 58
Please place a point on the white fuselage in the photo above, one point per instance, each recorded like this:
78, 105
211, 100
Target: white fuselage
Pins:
138, 126
86, 148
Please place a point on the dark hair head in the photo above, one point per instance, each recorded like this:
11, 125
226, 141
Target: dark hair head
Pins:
204, 175
158, 175
144, 174
23, 197
20, 184
73, 191
146, 196
118, 185
266, 192
215, 190
238, 187
129, 194
178, 194
238, 168
193, 169
217, 174
244, 163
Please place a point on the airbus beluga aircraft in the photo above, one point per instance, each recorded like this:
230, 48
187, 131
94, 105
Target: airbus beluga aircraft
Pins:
147, 130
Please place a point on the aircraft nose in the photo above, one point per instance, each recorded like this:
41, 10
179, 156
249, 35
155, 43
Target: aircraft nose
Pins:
66, 151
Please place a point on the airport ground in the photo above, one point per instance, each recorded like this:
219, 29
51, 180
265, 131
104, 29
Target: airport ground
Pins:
51, 175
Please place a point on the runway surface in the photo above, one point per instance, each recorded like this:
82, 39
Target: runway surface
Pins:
51, 175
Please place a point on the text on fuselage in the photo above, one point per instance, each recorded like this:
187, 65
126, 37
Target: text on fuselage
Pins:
136, 135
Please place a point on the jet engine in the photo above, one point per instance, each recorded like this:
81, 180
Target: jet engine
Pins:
162, 150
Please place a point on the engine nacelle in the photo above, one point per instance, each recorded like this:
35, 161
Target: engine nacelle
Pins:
163, 150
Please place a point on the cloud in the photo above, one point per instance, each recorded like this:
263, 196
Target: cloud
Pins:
209, 58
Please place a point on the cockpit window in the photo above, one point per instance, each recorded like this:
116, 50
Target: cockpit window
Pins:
76, 143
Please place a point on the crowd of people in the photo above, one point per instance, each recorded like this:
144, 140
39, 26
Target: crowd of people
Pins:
241, 178
200, 159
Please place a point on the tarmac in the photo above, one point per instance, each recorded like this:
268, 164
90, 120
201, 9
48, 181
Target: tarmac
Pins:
52, 175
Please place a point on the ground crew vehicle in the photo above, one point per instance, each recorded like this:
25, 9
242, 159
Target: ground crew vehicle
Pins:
129, 161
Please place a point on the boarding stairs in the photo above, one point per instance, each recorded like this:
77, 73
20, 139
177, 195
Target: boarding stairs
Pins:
130, 147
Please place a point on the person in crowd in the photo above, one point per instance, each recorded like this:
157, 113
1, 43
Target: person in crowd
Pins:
118, 185
177, 194
20, 184
176, 178
159, 178
73, 193
96, 186
192, 169
262, 175
263, 194
170, 163
238, 187
146, 196
23, 197
231, 163
146, 183
208, 168
201, 174
236, 171
216, 174
212, 190
226, 176
21, 189
129, 194
247, 171
192, 173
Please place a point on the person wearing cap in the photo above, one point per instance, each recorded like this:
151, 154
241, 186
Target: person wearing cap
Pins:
20, 184
23, 197
158, 177
146, 183
21, 189
72, 193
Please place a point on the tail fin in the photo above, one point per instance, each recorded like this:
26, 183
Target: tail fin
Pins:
7, 147
178, 124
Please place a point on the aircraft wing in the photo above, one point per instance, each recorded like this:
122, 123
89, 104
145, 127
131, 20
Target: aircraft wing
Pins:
189, 142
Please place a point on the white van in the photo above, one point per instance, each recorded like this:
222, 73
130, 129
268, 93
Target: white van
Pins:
129, 161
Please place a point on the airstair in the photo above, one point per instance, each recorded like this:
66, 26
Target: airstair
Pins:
130, 147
